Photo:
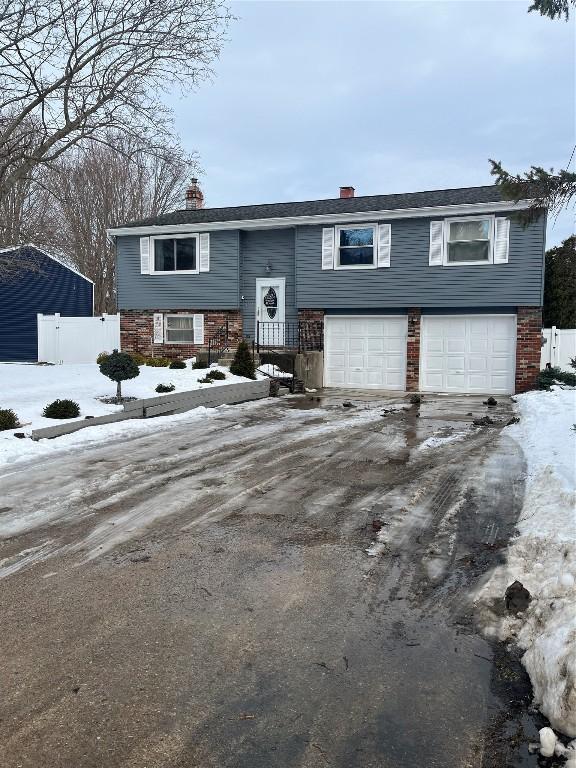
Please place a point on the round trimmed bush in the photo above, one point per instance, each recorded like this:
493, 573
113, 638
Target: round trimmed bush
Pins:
8, 419
200, 364
61, 409
216, 375
165, 388
177, 364
119, 367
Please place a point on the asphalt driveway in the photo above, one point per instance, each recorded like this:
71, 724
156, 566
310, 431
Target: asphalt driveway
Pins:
287, 585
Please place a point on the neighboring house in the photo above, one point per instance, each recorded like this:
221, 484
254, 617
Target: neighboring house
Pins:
434, 291
43, 285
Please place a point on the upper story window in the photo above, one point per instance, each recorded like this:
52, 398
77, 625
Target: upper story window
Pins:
175, 253
469, 241
355, 247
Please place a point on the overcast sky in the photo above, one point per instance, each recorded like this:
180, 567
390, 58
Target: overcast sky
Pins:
384, 96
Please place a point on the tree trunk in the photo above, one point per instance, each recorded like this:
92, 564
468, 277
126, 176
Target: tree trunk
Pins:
119, 390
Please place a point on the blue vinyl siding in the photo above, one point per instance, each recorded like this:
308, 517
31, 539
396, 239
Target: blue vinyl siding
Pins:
52, 288
411, 282
216, 289
260, 248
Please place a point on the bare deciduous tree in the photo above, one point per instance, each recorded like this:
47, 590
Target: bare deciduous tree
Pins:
77, 69
97, 186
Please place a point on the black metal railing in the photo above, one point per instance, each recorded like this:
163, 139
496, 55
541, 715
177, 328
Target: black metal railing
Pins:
218, 343
302, 335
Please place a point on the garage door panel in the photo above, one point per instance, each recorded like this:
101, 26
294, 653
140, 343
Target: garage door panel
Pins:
468, 353
434, 345
455, 345
393, 363
374, 352
477, 364
375, 344
455, 381
505, 346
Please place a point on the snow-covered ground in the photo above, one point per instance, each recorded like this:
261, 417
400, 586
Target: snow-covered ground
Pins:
543, 556
28, 388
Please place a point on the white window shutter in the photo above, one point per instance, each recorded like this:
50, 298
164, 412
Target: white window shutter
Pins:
384, 241
328, 248
158, 328
145, 256
501, 238
204, 247
436, 256
198, 329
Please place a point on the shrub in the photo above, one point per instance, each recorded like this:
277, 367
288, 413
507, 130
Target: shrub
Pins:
158, 362
200, 364
219, 375
138, 358
243, 363
550, 376
177, 364
102, 356
205, 380
61, 409
119, 367
165, 388
8, 419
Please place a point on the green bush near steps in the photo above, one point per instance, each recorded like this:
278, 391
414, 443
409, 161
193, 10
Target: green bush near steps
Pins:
158, 362
243, 363
200, 365
177, 365
61, 409
165, 388
8, 419
216, 375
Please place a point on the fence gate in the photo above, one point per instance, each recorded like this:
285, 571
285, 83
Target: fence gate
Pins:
559, 347
76, 339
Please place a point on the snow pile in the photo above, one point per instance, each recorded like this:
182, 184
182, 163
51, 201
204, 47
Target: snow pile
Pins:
436, 441
27, 388
273, 370
543, 556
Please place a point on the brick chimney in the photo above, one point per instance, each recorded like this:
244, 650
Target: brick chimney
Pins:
346, 191
194, 196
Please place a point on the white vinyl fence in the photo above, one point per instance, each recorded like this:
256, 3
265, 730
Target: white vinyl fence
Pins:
76, 339
559, 347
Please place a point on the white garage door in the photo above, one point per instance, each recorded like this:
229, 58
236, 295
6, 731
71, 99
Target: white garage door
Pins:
365, 352
468, 353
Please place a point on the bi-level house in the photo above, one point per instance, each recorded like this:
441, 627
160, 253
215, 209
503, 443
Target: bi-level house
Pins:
435, 291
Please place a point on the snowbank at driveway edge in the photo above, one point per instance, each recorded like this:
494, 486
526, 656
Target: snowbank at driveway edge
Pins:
543, 555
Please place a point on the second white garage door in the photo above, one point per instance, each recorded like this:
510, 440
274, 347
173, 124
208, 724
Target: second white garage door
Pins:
468, 353
365, 352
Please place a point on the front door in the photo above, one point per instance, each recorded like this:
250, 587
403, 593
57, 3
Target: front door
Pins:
270, 311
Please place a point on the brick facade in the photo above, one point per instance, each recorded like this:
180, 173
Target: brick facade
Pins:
413, 350
316, 315
137, 331
528, 347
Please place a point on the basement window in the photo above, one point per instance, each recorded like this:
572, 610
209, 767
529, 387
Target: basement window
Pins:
179, 329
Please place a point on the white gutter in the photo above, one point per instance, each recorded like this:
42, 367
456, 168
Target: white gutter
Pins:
328, 218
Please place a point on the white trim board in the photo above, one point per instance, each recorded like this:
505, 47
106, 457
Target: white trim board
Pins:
329, 218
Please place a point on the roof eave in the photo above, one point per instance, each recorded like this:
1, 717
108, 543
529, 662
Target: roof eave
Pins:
464, 209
